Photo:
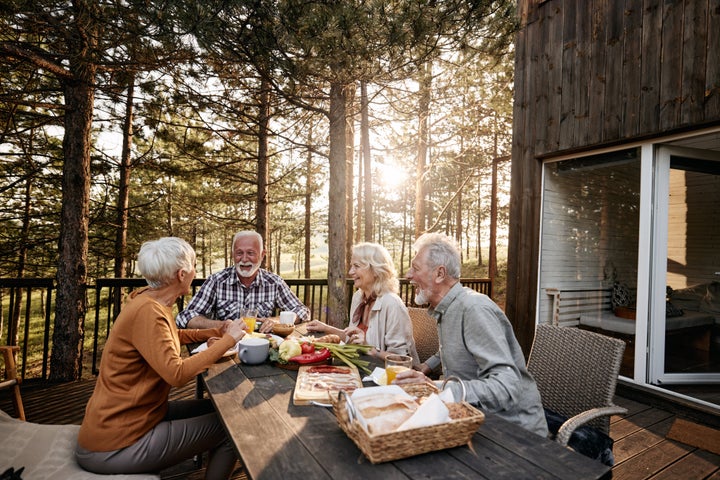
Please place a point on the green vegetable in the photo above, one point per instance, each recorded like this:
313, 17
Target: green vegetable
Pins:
289, 349
348, 354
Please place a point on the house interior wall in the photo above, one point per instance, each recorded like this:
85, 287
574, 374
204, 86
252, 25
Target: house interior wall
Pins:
693, 229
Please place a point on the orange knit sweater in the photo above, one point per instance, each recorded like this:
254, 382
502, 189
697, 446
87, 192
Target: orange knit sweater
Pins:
140, 363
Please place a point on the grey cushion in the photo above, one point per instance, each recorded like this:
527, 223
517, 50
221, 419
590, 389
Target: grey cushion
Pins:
46, 451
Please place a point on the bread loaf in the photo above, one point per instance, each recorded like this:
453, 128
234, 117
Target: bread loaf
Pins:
384, 413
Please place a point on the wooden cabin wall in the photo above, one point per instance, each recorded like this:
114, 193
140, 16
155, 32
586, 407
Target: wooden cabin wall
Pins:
693, 229
599, 73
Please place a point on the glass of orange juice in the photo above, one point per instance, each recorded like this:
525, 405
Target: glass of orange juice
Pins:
396, 363
249, 316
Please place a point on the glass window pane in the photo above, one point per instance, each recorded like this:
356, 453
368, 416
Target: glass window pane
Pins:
588, 262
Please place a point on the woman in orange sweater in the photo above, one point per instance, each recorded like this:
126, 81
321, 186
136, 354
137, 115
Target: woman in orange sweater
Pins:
129, 424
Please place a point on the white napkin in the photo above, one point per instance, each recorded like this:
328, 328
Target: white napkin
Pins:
378, 376
204, 346
447, 396
432, 412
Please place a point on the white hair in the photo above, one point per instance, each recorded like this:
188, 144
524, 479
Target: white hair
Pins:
378, 260
159, 260
442, 250
248, 233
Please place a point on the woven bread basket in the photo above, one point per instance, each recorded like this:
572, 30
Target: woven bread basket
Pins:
464, 422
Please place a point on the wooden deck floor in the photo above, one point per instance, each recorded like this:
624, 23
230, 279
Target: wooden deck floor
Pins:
642, 448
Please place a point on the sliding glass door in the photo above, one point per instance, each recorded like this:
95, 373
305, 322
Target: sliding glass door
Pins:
685, 285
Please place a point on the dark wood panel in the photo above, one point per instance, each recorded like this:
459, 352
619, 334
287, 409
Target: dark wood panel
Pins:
570, 70
712, 77
632, 65
671, 64
615, 86
598, 68
694, 56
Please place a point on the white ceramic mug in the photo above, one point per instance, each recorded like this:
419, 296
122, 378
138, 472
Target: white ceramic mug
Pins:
253, 350
288, 317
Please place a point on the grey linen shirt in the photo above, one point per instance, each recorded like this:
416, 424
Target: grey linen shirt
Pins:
478, 345
222, 296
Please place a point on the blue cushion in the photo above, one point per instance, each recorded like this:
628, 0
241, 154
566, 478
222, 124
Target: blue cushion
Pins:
586, 440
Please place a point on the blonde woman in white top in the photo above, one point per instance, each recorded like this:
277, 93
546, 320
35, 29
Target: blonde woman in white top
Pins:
378, 316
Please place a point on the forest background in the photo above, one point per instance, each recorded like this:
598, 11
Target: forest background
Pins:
318, 124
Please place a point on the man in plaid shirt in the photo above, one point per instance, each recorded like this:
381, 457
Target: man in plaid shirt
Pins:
243, 285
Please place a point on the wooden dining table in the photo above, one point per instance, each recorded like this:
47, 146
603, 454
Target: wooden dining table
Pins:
276, 439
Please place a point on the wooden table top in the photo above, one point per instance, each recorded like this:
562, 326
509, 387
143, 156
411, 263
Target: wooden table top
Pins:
276, 439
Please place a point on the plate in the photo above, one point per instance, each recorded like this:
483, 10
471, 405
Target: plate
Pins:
296, 366
315, 384
232, 351
277, 338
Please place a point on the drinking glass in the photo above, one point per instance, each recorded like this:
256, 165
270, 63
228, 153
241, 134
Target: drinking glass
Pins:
396, 363
249, 316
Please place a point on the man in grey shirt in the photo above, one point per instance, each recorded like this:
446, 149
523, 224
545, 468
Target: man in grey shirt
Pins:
477, 342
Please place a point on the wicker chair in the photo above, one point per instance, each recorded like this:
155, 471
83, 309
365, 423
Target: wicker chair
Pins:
424, 333
576, 372
11, 381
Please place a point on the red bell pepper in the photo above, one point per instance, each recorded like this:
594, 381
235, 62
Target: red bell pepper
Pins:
317, 356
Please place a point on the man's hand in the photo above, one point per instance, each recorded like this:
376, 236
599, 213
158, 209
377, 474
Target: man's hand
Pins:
424, 369
410, 376
266, 325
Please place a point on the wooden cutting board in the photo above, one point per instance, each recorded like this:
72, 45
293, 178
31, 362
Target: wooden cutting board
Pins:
317, 383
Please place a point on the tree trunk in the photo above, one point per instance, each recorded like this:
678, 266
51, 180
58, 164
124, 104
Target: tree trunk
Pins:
79, 95
367, 161
349, 158
262, 224
309, 186
492, 256
479, 226
458, 218
337, 296
124, 186
22, 258
66, 359
422, 146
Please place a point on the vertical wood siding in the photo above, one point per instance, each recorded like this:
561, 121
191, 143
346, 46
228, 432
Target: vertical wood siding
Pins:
592, 73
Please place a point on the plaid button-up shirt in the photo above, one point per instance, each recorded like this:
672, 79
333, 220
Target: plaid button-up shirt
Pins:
222, 296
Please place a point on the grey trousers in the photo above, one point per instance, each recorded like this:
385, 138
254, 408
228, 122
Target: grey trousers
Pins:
189, 428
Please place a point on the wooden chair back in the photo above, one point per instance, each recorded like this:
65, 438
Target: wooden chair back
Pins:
11, 380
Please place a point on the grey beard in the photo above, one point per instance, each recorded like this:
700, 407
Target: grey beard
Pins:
420, 298
248, 273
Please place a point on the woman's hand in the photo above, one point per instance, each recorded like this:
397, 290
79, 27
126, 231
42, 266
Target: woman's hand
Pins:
224, 327
236, 329
317, 326
354, 335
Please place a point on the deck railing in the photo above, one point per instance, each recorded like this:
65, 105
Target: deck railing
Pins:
31, 301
